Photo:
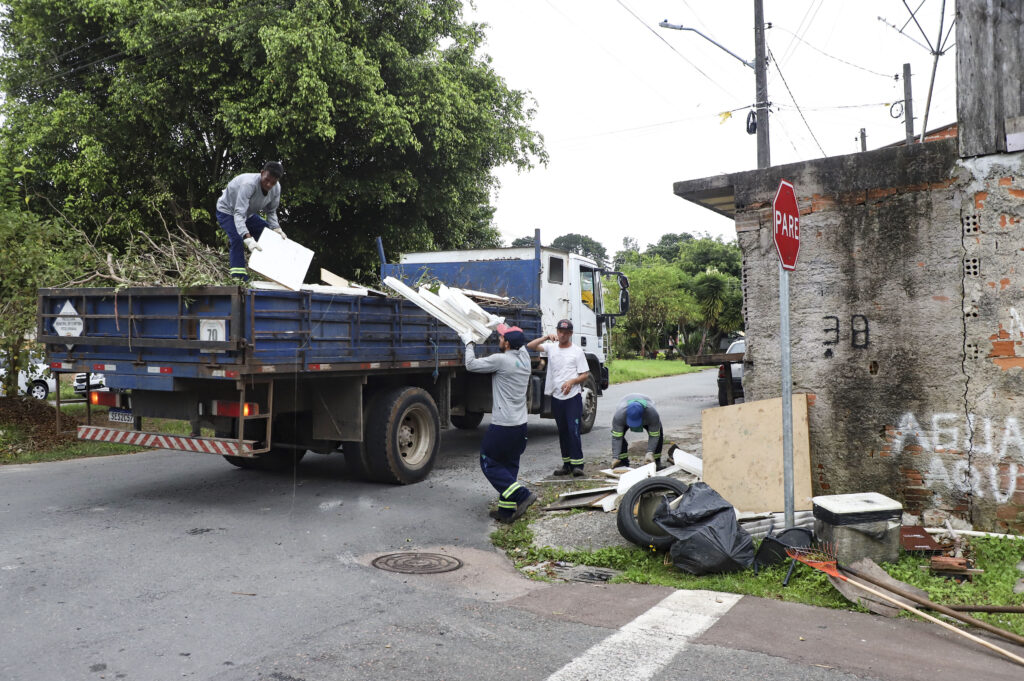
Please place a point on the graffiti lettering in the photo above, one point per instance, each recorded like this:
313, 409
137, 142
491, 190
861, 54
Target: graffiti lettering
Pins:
996, 458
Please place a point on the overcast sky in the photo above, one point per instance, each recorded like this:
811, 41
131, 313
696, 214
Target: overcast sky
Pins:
627, 108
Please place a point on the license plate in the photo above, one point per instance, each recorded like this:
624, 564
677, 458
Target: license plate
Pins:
121, 416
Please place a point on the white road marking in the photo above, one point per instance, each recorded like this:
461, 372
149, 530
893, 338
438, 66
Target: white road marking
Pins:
330, 505
644, 646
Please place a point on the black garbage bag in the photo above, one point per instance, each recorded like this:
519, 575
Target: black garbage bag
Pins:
708, 538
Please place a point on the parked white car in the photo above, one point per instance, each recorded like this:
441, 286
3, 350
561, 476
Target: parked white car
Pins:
96, 382
36, 382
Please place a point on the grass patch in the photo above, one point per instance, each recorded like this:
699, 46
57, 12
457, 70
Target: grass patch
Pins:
626, 370
997, 557
12, 438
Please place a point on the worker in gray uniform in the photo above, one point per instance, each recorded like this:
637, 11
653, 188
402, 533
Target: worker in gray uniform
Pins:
505, 439
636, 412
238, 208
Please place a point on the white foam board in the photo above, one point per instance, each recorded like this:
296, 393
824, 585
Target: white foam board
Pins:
282, 260
627, 480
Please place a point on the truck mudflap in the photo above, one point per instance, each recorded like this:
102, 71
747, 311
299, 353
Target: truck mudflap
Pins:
203, 445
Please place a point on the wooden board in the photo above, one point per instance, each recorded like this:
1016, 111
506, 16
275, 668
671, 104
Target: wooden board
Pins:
742, 454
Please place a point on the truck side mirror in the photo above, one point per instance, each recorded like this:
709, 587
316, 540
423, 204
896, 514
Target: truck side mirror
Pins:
623, 281
623, 301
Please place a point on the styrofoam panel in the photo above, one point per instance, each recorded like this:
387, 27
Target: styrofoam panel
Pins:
282, 260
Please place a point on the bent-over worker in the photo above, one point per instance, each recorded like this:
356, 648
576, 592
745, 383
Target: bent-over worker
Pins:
637, 413
238, 208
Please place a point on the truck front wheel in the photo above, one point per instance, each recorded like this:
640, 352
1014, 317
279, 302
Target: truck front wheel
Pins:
589, 392
402, 436
467, 421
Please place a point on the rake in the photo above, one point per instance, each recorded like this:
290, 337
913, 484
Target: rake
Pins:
823, 558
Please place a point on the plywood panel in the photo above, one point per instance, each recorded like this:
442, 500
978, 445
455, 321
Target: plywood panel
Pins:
742, 446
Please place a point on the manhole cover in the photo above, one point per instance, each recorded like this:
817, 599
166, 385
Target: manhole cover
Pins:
417, 563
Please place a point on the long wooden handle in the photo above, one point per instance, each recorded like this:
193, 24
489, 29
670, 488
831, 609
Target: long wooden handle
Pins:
936, 620
937, 607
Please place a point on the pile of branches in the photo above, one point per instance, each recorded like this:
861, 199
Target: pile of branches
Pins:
179, 260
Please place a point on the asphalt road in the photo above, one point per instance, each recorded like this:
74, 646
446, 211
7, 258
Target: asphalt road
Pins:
162, 565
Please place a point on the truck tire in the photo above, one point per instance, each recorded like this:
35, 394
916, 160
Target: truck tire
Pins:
469, 421
402, 436
637, 506
589, 393
274, 460
356, 458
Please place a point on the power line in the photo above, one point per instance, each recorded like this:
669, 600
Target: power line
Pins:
856, 66
802, 29
625, 66
647, 127
644, 24
794, 102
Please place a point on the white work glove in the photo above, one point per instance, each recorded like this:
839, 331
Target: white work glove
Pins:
467, 337
251, 244
281, 232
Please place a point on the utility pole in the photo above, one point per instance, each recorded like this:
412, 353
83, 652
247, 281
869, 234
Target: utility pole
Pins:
908, 104
863, 140
761, 78
760, 66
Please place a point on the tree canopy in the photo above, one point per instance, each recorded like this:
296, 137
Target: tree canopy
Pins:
682, 286
384, 112
584, 245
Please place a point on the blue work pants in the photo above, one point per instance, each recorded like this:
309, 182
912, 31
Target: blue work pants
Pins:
567, 415
499, 460
255, 224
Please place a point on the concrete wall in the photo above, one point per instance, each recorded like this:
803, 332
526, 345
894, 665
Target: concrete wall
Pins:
904, 323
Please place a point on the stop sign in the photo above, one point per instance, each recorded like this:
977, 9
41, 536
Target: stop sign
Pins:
787, 225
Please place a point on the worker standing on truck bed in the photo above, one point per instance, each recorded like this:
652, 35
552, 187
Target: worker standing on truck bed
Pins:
637, 413
505, 439
238, 208
567, 369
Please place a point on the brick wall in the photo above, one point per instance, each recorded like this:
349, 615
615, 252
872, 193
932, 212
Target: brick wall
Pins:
906, 312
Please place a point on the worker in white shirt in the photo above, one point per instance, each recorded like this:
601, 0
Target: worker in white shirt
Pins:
567, 369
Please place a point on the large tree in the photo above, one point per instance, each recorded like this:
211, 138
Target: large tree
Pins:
584, 245
384, 112
34, 253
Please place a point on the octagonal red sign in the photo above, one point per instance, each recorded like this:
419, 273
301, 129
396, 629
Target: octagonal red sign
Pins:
786, 216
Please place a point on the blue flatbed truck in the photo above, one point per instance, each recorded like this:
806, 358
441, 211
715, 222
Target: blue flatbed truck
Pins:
274, 374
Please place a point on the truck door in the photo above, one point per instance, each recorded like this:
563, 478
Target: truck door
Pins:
587, 301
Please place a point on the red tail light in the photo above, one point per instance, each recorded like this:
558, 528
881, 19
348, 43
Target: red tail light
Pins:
104, 398
226, 408
721, 371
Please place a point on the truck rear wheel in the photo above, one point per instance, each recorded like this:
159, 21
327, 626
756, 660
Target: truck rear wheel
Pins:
589, 393
467, 421
402, 436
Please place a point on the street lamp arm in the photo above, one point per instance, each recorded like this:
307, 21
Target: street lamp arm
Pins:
678, 27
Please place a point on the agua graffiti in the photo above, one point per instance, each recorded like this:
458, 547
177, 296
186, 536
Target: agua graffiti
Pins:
966, 454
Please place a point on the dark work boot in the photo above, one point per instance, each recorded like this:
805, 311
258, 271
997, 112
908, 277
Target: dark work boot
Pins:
620, 463
577, 472
566, 469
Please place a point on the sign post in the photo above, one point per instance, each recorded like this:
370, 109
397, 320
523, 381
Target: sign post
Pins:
786, 234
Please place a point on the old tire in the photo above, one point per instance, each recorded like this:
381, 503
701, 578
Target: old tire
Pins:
402, 436
469, 421
588, 392
637, 507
